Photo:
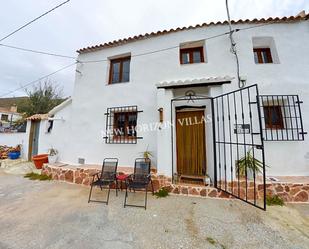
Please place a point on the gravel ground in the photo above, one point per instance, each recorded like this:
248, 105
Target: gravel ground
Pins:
17, 167
37, 214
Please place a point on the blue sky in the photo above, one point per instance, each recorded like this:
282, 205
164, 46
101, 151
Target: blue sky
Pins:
81, 23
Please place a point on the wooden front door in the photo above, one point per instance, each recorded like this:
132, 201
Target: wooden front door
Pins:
190, 143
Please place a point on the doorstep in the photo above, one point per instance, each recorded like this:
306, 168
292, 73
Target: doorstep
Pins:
289, 179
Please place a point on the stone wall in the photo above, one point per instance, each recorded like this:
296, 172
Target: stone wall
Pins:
76, 175
288, 191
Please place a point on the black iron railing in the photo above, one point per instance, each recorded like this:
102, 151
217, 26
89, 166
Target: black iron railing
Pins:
238, 146
281, 118
121, 125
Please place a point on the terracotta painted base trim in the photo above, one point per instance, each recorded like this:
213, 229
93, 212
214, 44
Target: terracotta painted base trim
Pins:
289, 192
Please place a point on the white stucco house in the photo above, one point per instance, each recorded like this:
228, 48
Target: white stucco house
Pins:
177, 94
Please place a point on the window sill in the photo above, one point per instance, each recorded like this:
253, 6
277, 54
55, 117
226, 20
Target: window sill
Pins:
122, 140
111, 84
272, 63
196, 63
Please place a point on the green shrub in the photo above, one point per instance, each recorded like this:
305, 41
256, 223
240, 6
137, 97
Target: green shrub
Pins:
35, 176
248, 162
211, 240
274, 200
161, 193
215, 242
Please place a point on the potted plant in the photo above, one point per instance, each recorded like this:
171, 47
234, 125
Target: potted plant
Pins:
147, 154
14, 153
52, 155
39, 160
250, 163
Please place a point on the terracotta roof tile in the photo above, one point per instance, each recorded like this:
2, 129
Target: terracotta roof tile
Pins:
192, 82
38, 117
299, 17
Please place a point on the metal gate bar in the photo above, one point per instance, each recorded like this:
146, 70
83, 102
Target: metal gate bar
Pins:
239, 152
237, 136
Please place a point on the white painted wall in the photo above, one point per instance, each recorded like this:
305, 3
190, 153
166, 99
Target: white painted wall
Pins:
80, 135
60, 136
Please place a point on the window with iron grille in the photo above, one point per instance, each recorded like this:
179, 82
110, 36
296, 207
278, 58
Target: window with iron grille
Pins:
273, 116
121, 125
282, 118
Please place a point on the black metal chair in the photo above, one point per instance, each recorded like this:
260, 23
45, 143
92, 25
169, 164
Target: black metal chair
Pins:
140, 179
107, 177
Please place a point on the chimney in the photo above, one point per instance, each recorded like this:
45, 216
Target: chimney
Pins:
301, 14
13, 108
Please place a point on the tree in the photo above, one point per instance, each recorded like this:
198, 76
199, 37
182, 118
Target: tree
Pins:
42, 99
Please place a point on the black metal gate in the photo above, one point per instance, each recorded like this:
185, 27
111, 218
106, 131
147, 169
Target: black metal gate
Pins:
238, 146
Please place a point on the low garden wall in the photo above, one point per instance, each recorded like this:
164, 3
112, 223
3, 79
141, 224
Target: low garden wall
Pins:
289, 192
13, 139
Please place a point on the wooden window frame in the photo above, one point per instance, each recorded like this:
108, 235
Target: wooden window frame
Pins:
267, 113
111, 69
190, 51
259, 55
126, 121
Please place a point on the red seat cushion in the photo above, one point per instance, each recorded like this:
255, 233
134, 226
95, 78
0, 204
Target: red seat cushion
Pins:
122, 177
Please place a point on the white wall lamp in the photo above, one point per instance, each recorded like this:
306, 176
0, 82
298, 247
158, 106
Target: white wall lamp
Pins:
160, 110
54, 119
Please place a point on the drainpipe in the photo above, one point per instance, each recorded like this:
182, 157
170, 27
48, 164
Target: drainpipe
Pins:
233, 45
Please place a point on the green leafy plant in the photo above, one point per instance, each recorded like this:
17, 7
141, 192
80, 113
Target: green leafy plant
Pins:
215, 242
211, 240
274, 200
35, 176
250, 163
147, 154
41, 98
161, 193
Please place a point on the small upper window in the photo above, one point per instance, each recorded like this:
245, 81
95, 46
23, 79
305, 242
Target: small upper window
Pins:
273, 117
4, 117
119, 70
191, 55
262, 55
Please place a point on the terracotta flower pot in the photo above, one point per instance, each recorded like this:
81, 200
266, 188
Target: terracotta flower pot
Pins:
39, 160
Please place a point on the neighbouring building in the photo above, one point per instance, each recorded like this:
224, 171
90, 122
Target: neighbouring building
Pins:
7, 117
176, 93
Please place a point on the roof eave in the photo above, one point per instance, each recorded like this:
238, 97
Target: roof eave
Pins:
158, 33
60, 106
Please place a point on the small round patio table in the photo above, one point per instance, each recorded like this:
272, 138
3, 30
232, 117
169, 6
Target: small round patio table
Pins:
122, 179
